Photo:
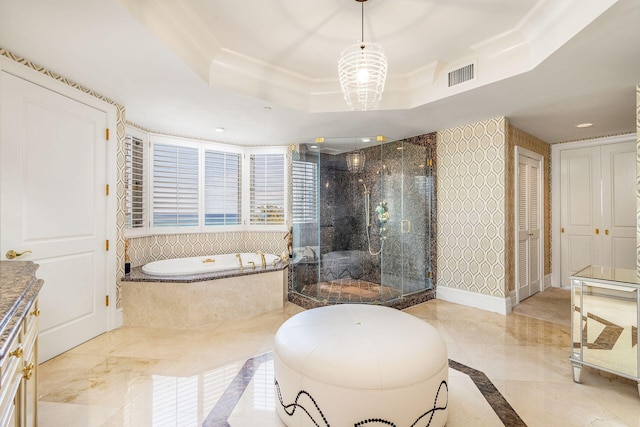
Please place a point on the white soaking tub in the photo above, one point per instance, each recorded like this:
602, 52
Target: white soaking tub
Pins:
208, 264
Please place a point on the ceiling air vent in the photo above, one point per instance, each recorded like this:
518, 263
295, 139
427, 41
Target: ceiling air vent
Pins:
461, 75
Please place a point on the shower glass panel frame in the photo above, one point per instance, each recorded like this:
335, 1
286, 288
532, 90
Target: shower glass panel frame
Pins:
349, 257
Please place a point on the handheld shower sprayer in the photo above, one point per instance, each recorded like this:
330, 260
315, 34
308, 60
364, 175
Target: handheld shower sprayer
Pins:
367, 213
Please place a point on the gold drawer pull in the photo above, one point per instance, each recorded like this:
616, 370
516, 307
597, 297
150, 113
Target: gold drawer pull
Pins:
17, 352
35, 312
27, 371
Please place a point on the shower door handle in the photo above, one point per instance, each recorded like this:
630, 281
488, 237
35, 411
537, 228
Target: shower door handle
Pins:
408, 228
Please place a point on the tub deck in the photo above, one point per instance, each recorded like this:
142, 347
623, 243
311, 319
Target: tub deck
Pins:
201, 300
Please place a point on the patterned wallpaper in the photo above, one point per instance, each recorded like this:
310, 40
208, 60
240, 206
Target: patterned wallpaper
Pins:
471, 214
516, 137
638, 177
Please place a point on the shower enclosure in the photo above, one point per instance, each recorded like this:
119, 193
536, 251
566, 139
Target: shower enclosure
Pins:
364, 234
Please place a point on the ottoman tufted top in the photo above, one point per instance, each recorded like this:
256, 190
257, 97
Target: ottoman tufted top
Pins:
360, 346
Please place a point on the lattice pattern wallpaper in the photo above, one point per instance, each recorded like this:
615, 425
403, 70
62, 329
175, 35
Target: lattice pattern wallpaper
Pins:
516, 137
471, 207
638, 177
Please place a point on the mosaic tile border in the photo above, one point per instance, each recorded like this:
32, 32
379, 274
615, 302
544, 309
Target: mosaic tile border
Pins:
219, 415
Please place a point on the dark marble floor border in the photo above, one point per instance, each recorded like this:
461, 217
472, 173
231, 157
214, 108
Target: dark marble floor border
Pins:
219, 415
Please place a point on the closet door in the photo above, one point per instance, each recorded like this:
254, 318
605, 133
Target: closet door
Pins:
597, 207
618, 228
579, 209
529, 208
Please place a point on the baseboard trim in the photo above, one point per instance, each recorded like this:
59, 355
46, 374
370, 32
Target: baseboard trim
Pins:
547, 282
473, 299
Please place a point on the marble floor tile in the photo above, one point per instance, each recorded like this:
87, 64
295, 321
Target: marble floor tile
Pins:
136, 377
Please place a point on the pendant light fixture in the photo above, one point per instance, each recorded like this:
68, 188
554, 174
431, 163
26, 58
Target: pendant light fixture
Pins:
355, 159
362, 69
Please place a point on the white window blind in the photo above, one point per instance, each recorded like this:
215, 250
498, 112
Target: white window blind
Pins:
267, 189
175, 186
305, 201
134, 183
222, 188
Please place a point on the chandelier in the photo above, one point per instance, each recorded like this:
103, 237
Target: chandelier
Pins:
362, 70
355, 161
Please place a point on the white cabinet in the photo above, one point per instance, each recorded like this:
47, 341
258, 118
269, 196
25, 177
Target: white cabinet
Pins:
19, 315
597, 207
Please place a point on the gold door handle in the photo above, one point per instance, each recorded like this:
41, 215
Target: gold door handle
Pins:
562, 230
35, 312
597, 231
17, 352
606, 232
11, 254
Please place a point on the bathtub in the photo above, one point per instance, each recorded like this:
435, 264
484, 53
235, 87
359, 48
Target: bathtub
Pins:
207, 264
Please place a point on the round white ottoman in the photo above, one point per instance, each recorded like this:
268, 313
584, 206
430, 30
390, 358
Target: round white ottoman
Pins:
360, 365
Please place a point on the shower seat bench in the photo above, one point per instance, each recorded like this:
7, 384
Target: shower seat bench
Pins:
359, 365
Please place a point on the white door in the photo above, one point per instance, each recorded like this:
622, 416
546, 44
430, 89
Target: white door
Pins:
597, 207
579, 209
53, 202
618, 233
529, 208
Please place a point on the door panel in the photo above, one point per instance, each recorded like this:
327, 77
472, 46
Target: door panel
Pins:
619, 205
529, 224
579, 208
52, 201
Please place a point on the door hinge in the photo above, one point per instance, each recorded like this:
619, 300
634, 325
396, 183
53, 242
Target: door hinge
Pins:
430, 162
106, 189
106, 245
106, 301
106, 134
430, 274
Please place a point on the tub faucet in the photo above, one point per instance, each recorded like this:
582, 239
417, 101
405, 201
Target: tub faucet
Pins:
264, 262
240, 261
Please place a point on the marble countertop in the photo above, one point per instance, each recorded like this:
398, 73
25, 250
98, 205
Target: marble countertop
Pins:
137, 275
19, 287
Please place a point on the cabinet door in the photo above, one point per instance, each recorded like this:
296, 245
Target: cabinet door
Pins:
579, 209
618, 231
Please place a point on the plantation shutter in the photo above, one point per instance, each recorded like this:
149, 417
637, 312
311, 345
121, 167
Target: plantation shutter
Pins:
305, 201
175, 186
222, 188
267, 189
135, 185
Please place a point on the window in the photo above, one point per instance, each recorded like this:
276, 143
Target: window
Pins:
175, 186
222, 188
267, 194
135, 185
305, 201
198, 187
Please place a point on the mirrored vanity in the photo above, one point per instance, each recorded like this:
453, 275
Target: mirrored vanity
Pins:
604, 304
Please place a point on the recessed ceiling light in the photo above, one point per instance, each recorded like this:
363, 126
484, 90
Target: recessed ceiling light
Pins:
219, 130
584, 125
366, 139
313, 147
